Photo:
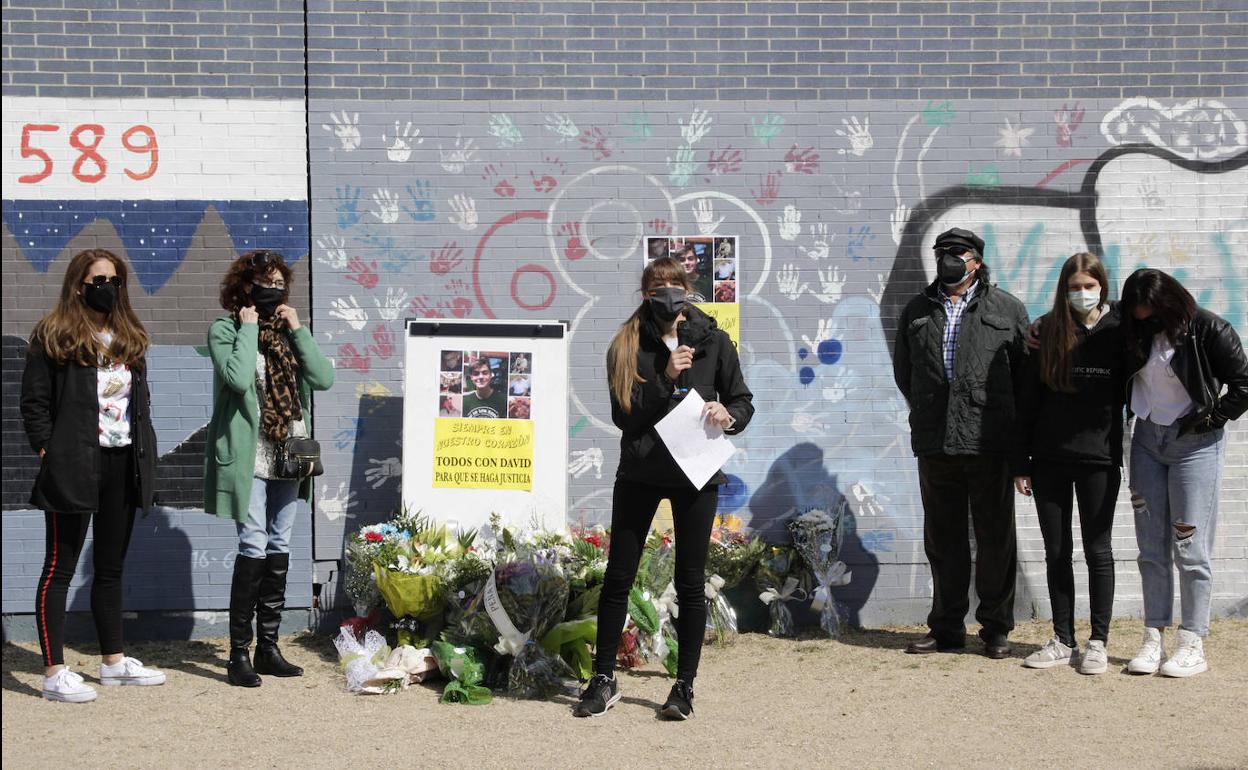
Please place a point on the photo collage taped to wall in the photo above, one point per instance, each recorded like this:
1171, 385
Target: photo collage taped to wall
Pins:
711, 263
485, 384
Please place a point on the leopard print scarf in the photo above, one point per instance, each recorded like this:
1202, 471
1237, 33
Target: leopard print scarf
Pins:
281, 392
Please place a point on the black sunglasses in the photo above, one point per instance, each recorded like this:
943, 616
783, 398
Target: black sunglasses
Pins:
957, 251
262, 259
100, 280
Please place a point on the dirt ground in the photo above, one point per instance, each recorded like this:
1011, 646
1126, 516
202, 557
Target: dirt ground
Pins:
760, 703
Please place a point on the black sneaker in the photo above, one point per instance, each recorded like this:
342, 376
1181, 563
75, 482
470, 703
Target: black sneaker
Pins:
600, 694
679, 704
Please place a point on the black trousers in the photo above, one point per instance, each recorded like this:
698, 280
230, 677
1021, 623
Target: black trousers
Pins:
1096, 488
693, 513
64, 535
952, 485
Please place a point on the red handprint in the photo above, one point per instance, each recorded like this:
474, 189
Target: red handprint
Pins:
460, 307
365, 274
1067, 120
574, 249
456, 286
503, 188
445, 259
768, 189
544, 183
803, 161
383, 342
660, 226
597, 142
350, 358
421, 308
726, 161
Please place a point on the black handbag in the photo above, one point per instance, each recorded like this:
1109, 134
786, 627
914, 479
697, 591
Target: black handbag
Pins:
299, 458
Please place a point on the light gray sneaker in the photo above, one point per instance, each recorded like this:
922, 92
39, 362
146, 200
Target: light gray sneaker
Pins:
1151, 655
1094, 661
1053, 653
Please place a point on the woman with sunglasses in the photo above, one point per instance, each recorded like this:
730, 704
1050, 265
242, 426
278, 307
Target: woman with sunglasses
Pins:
649, 369
86, 411
265, 366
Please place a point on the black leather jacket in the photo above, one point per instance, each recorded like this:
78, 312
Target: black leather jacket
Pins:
1208, 356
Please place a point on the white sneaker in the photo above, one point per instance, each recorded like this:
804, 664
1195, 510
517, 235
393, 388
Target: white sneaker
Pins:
1095, 661
129, 671
68, 687
1053, 653
1189, 658
1152, 653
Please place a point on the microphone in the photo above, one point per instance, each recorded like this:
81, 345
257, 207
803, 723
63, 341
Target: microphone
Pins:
682, 338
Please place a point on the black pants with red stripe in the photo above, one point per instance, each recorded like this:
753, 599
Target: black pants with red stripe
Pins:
65, 535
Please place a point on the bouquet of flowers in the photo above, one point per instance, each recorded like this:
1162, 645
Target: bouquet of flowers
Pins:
778, 576
817, 537
652, 603
363, 548
364, 663
730, 559
585, 569
464, 671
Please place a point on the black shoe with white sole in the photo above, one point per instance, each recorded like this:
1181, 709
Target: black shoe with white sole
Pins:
600, 694
679, 703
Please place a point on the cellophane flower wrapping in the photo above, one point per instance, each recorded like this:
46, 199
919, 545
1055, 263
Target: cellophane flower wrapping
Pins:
780, 579
655, 629
465, 672
817, 536
362, 660
361, 583
730, 558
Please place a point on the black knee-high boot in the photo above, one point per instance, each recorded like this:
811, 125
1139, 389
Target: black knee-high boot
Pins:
269, 608
243, 593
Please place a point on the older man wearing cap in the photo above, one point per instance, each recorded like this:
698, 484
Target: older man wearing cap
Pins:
959, 348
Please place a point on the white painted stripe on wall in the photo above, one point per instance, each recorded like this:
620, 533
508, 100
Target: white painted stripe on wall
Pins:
209, 149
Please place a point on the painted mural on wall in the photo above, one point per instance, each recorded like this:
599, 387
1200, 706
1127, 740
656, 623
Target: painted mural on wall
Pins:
544, 210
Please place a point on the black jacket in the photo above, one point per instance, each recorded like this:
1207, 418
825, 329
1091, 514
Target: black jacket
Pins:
974, 413
60, 410
1082, 426
1207, 357
716, 375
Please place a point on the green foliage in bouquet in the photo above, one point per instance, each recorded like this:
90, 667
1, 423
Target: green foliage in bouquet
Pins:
464, 670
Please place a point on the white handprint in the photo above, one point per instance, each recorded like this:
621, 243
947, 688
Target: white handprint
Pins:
698, 126
401, 148
383, 470
392, 308
465, 212
868, 501
585, 459
333, 251
790, 223
808, 422
877, 291
789, 281
455, 159
833, 282
839, 387
346, 129
897, 220
350, 311
680, 171
826, 328
562, 126
821, 242
387, 210
859, 135
704, 215
338, 505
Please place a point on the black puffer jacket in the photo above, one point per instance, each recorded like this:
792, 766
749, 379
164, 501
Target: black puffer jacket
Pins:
716, 375
1207, 357
974, 413
61, 413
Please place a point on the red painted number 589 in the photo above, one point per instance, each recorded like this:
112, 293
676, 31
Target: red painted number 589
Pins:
90, 166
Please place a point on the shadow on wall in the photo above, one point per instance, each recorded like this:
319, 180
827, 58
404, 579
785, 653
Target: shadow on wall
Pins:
797, 482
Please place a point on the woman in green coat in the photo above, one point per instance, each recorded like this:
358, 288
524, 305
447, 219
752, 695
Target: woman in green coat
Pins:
265, 367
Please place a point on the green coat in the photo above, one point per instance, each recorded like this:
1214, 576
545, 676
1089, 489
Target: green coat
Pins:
234, 432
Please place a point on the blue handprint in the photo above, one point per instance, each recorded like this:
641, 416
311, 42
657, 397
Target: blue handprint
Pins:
422, 202
348, 206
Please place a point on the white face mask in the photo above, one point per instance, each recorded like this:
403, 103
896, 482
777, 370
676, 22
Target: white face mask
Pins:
1084, 301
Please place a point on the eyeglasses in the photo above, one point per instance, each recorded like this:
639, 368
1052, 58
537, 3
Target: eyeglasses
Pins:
266, 284
100, 280
961, 252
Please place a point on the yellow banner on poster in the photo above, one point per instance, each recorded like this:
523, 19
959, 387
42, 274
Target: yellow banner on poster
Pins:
482, 454
727, 315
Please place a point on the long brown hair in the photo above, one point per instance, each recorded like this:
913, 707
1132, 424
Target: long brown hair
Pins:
1057, 333
622, 354
67, 333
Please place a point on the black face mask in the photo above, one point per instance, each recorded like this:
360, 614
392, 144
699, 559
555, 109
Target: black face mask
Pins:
266, 300
100, 297
667, 303
950, 269
1150, 326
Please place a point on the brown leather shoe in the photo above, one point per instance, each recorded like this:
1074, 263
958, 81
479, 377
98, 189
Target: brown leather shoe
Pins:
930, 644
997, 647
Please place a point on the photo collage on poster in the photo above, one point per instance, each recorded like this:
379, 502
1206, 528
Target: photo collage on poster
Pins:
485, 384
709, 261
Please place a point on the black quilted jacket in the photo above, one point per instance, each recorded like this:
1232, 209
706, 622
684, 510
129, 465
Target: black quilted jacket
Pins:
974, 413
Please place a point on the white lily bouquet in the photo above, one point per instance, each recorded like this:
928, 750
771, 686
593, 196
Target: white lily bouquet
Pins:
817, 536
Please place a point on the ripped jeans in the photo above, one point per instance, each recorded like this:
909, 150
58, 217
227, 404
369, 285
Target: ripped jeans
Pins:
1175, 482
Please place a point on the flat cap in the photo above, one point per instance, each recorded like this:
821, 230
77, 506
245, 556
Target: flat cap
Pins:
959, 237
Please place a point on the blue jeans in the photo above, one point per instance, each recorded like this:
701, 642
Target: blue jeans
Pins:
270, 517
1175, 484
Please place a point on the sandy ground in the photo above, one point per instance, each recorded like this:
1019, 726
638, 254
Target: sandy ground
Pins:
760, 703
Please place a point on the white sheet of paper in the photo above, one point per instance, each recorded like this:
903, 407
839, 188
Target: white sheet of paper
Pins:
699, 448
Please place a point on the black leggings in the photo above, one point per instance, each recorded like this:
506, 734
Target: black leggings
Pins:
1096, 487
633, 507
65, 534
